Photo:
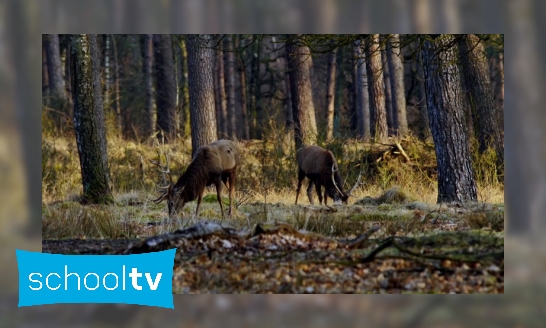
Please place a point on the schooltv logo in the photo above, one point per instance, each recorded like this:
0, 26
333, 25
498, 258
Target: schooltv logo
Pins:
143, 279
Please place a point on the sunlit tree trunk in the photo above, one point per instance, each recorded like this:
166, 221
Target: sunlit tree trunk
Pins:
89, 120
376, 87
330, 94
200, 70
299, 64
455, 173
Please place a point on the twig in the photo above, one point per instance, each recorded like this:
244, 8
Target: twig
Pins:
402, 151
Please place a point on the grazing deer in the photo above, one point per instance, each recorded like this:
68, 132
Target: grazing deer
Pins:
215, 163
320, 167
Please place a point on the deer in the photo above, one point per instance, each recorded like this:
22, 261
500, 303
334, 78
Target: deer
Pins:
320, 167
215, 163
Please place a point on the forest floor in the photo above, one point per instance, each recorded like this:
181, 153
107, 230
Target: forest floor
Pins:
388, 239
401, 247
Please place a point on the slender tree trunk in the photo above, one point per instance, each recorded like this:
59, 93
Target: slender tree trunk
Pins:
354, 126
282, 65
147, 64
481, 97
89, 120
340, 87
394, 56
361, 92
425, 128
45, 80
498, 77
299, 63
387, 82
376, 88
57, 92
242, 82
222, 110
165, 86
116, 88
107, 71
455, 173
184, 94
330, 94
203, 118
230, 86
257, 92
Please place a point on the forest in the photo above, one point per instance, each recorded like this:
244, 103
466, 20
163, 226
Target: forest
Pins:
411, 158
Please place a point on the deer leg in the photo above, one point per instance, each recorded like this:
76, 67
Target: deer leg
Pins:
310, 192
301, 176
231, 191
319, 192
219, 195
199, 199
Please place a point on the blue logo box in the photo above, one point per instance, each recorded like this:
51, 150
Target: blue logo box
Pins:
143, 279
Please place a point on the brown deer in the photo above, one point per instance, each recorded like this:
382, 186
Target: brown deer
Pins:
320, 167
215, 163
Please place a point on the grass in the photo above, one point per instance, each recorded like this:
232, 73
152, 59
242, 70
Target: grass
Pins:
397, 195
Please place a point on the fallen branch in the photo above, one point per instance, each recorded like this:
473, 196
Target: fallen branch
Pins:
402, 151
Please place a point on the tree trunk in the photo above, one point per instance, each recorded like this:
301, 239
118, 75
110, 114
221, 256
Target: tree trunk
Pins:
165, 86
184, 94
116, 88
45, 80
362, 102
57, 92
394, 56
221, 91
299, 64
340, 87
330, 94
242, 81
89, 120
376, 88
230, 86
423, 99
496, 68
203, 118
147, 60
387, 82
481, 98
107, 71
443, 91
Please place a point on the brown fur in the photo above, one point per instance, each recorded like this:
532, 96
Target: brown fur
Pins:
315, 163
212, 164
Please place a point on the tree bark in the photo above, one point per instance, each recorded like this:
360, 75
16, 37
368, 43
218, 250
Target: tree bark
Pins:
330, 94
184, 94
362, 101
165, 86
496, 68
443, 91
299, 64
242, 81
376, 87
45, 80
202, 113
89, 120
394, 56
57, 93
147, 64
221, 110
229, 59
116, 88
481, 97
387, 82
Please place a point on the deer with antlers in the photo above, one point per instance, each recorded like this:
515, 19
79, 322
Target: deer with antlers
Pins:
215, 163
320, 167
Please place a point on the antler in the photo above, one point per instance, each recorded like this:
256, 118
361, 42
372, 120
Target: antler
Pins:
334, 180
165, 170
349, 193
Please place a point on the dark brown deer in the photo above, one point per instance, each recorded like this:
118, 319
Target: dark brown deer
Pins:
320, 167
215, 163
